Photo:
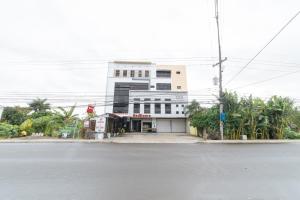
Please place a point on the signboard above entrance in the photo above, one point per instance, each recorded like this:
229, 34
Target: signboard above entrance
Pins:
141, 116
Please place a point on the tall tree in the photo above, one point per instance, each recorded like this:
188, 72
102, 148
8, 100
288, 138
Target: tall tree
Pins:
67, 116
14, 115
40, 108
193, 108
39, 105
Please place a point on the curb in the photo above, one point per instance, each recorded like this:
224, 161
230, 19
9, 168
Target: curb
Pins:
249, 141
53, 141
7, 141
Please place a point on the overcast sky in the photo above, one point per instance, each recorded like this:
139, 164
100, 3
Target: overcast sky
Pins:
58, 46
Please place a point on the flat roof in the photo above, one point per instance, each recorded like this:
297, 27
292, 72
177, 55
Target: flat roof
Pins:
132, 62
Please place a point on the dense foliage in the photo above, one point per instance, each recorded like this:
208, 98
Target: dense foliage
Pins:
249, 116
38, 118
8, 130
14, 115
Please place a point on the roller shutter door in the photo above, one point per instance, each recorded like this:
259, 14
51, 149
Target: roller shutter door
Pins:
178, 126
163, 125
171, 125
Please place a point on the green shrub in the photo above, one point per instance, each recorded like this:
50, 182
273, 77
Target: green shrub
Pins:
26, 126
39, 125
8, 130
49, 125
289, 134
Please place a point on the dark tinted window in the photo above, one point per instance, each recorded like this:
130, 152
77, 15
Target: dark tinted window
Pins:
139, 86
163, 73
131, 73
157, 108
136, 108
163, 86
124, 73
168, 109
147, 108
121, 98
117, 73
121, 95
140, 73
147, 73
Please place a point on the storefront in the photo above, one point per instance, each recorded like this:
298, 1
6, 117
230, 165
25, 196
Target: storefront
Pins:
146, 124
142, 123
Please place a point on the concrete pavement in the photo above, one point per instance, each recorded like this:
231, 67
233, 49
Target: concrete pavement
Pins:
145, 138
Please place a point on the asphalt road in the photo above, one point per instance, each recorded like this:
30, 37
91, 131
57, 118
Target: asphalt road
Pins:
149, 171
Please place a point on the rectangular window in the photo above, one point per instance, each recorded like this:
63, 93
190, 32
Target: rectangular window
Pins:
168, 109
139, 86
147, 73
147, 108
131, 73
163, 73
140, 73
177, 72
136, 99
121, 95
117, 73
157, 99
179, 87
167, 99
163, 86
124, 73
177, 112
136, 108
157, 109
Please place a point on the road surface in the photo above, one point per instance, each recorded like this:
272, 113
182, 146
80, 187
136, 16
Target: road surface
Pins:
72, 171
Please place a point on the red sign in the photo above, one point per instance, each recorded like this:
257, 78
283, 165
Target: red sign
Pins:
90, 109
141, 116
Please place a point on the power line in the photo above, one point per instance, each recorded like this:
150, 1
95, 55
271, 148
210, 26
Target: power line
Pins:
243, 68
269, 79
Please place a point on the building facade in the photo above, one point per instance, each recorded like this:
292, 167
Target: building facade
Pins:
149, 97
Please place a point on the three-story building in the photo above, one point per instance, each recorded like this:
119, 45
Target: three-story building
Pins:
150, 97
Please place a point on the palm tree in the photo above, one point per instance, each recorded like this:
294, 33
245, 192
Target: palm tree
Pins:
39, 105
67, 116
193, 108
279, 111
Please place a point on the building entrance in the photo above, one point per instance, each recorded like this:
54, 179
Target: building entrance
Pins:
136, 125
147, 127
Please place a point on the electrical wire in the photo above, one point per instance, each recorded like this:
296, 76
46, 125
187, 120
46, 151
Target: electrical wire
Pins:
261, 50
269, 79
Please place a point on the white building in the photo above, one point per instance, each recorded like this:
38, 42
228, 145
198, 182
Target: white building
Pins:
149, 97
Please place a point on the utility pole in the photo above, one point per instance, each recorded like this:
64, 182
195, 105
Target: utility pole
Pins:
220, 71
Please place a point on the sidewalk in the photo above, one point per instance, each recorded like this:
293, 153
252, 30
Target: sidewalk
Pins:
145, 138
130, 138
157, 138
